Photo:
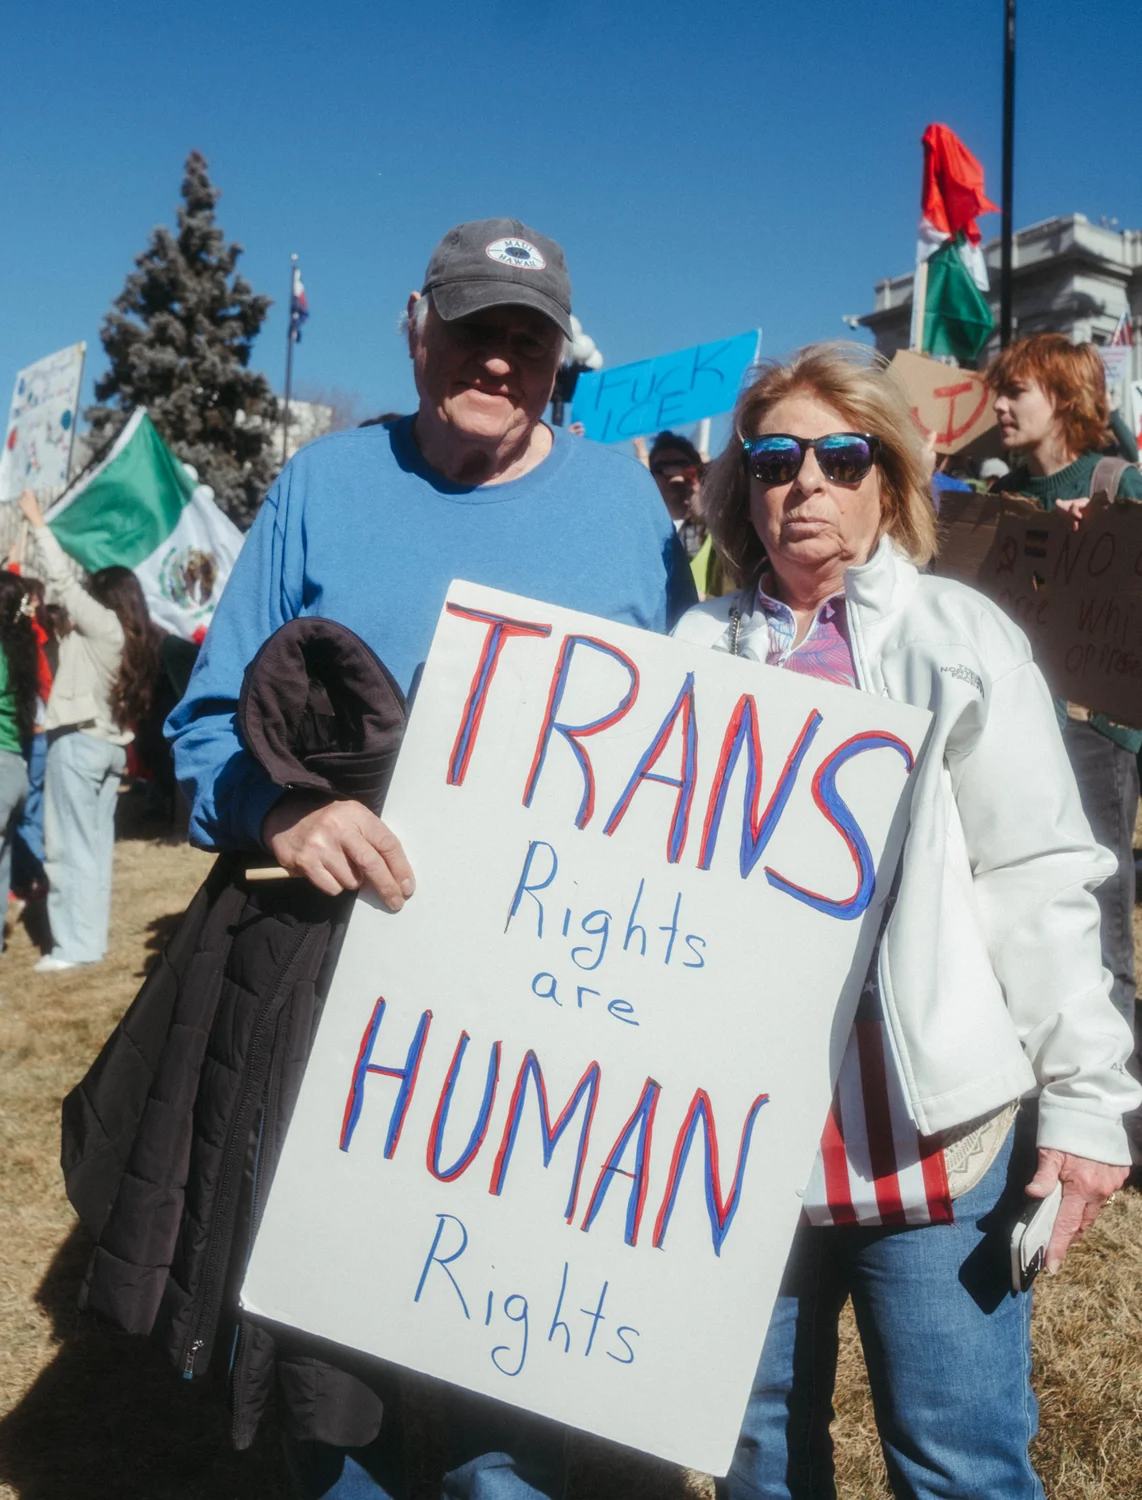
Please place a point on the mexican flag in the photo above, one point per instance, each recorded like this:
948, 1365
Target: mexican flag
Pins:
950, 312
142, 509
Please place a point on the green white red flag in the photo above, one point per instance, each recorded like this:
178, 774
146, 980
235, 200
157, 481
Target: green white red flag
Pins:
956, 317
143, 509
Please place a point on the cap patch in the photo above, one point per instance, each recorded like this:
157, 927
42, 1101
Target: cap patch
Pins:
514, 252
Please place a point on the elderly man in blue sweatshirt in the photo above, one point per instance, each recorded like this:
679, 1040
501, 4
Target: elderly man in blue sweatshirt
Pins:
369, 528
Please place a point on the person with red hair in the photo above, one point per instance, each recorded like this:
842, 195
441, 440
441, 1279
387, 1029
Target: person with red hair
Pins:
1054, 415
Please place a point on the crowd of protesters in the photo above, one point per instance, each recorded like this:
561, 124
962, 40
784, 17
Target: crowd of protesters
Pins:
1004, 973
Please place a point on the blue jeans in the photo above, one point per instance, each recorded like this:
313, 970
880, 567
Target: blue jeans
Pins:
947, 1345
28, 846
494, 1452
80, 790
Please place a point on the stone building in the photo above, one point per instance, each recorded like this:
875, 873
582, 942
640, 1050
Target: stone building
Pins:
1068, 276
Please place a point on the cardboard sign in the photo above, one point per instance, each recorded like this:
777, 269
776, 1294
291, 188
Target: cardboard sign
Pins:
630, 400
954, 404
41, 424
1076, 592
561, 1108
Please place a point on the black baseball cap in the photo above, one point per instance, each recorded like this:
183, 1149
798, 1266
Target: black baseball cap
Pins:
493, 262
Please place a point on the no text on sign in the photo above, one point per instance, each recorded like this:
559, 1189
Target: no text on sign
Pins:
561, 1107
630, 400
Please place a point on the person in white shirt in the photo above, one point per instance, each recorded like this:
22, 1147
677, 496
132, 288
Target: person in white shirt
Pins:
108, 661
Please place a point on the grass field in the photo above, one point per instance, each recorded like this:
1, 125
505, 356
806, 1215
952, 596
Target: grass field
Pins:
88, 1414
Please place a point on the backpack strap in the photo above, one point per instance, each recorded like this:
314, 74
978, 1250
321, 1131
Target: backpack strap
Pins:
1107, 477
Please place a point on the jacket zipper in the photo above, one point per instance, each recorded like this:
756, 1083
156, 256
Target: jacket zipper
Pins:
211, 1289
267, 1148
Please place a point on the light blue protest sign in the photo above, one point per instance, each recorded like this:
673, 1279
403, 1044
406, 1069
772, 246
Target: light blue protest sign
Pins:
686, 386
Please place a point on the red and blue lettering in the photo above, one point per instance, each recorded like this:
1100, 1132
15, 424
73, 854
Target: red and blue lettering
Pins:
642, 1120
440, 1118
573, 733
832, 804
683, 709
721, 1211
587, 1088
365, 1065
500, 629
756, 832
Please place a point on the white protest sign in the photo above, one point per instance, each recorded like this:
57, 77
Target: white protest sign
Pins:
41, 424
1116, 367
560, 1110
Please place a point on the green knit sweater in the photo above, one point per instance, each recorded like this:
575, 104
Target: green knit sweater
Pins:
1073, 483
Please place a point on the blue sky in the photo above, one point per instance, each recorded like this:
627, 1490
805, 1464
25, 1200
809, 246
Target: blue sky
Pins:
707, 169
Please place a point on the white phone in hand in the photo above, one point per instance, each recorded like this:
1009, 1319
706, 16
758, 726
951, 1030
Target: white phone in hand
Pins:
1031, 1236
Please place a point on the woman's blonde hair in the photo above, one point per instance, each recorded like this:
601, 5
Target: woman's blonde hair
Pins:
855, 382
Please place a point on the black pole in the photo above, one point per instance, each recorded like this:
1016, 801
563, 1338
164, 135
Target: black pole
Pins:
289, 360
1008, 171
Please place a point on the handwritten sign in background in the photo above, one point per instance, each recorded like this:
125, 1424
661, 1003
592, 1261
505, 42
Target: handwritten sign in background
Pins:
1076, 592
652, 394
41, 425
613, 1263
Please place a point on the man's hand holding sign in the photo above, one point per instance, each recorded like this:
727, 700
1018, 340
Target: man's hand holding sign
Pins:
555, 1127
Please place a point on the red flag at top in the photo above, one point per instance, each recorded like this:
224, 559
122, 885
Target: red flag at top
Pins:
953, 185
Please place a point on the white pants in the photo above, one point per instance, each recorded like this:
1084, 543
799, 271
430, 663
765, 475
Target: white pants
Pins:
80, 788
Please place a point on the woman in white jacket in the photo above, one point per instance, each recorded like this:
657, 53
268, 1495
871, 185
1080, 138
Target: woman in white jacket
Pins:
986, 986
107, 665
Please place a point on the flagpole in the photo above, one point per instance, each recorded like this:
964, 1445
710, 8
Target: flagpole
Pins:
1008, 171
289, 359
919, 303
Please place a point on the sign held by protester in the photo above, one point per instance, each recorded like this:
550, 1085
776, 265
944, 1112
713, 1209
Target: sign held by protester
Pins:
632, 400
41, 425
554, 1131
952, 403
1077, 592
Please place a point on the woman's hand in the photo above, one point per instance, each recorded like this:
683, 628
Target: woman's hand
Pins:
1087, 1187
30, 508
1074, 509
338, 846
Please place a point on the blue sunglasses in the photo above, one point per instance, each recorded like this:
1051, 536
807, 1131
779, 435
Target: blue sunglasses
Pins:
844, 457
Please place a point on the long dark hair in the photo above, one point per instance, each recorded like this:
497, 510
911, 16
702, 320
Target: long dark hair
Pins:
118, 589
18, 640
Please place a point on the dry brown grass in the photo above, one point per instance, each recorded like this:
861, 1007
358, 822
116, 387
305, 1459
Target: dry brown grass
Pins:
92, 1415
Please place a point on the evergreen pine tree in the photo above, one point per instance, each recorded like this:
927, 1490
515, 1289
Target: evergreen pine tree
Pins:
179, 338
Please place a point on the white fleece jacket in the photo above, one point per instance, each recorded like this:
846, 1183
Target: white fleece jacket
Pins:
990, 965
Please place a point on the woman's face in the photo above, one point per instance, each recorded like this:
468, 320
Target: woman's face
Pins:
1025, 413
813, 525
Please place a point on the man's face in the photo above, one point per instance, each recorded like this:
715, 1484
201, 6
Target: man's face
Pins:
676, 475
488, 376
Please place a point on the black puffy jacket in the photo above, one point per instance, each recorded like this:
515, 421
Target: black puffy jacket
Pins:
171, 1140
